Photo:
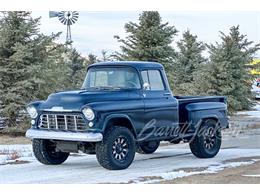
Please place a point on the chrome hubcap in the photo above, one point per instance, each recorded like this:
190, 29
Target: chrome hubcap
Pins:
120, 148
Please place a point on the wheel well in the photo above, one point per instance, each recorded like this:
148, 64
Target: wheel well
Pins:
209, 118
124, 122
212, 118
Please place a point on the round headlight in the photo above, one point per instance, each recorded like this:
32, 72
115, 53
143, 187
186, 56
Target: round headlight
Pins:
32, 111
88, 113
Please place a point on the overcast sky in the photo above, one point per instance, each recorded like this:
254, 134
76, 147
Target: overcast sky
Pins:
94, 31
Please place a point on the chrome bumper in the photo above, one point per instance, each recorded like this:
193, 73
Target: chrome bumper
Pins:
66, 136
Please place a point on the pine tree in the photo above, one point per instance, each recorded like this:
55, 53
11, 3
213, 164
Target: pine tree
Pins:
227, 73
26, 58
75, 67
91, 59
148, 40
105, 57
188, 64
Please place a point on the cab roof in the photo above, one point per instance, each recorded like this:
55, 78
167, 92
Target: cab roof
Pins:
135, 64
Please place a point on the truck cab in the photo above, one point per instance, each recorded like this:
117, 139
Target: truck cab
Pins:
124, 108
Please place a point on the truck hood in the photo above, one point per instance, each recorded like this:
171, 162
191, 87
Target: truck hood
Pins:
75, 100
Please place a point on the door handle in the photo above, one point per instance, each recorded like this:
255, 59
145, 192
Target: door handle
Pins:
166, 94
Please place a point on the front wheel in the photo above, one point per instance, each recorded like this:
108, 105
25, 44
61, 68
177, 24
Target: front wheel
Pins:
117, 150
44, 151
207, 141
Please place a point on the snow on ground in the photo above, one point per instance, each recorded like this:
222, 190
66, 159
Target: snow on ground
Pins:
255, 112
12, 153
251, 175
167, 163
211, 169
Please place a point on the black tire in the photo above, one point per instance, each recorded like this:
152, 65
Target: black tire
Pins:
207, 141
147, 147
111, 153
44, 151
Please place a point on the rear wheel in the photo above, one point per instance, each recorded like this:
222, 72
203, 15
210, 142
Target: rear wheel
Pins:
117, 150
44, 151
207, 141
147, 147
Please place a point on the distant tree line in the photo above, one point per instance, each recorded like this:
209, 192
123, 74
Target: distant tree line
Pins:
33, 65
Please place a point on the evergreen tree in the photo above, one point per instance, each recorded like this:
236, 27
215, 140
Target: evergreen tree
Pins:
76, 66
25, 58
105, 57
92, 59
227, 73
148, 40
188, 64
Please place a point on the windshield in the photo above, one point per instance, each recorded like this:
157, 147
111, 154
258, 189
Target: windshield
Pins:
111, 78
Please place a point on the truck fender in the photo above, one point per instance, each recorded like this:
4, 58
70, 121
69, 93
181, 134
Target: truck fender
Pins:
199, 112
119, 116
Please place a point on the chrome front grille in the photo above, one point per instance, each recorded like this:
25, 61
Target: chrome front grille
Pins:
70, 122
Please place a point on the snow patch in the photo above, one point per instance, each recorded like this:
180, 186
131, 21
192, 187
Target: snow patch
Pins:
215, 168
255, 113
3, 159
251, 175
12, 153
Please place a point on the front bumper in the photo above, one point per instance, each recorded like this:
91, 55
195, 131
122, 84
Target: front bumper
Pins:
66, 136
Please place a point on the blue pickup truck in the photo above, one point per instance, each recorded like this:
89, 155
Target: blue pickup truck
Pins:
124, 108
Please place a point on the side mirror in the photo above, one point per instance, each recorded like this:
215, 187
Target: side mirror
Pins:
146, 86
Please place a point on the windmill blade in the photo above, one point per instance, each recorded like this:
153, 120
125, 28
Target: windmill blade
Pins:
61, 13
73, 20
62, 18
63, 21
75, 17
75, 13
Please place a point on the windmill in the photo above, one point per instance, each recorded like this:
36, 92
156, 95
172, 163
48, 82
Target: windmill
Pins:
67, 18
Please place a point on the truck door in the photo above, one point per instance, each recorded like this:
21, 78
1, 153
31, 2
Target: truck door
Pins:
161, 108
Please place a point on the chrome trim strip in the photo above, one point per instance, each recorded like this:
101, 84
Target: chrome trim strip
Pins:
57, 109
48, 124
56, 121
75, 122
66, 124
66, 136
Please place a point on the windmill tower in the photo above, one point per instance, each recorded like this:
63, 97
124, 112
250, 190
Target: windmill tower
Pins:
67, 18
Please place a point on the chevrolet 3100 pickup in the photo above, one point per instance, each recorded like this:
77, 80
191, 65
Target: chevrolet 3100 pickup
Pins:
124, 108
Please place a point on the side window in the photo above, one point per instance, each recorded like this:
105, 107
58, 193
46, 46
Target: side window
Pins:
153, 77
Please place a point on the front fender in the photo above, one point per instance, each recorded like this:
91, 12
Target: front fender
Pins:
117, 116
36, 104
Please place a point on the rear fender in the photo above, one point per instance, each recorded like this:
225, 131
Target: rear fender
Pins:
199, 112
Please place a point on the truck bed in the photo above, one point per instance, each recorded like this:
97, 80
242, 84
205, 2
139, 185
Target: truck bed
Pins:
185, 100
